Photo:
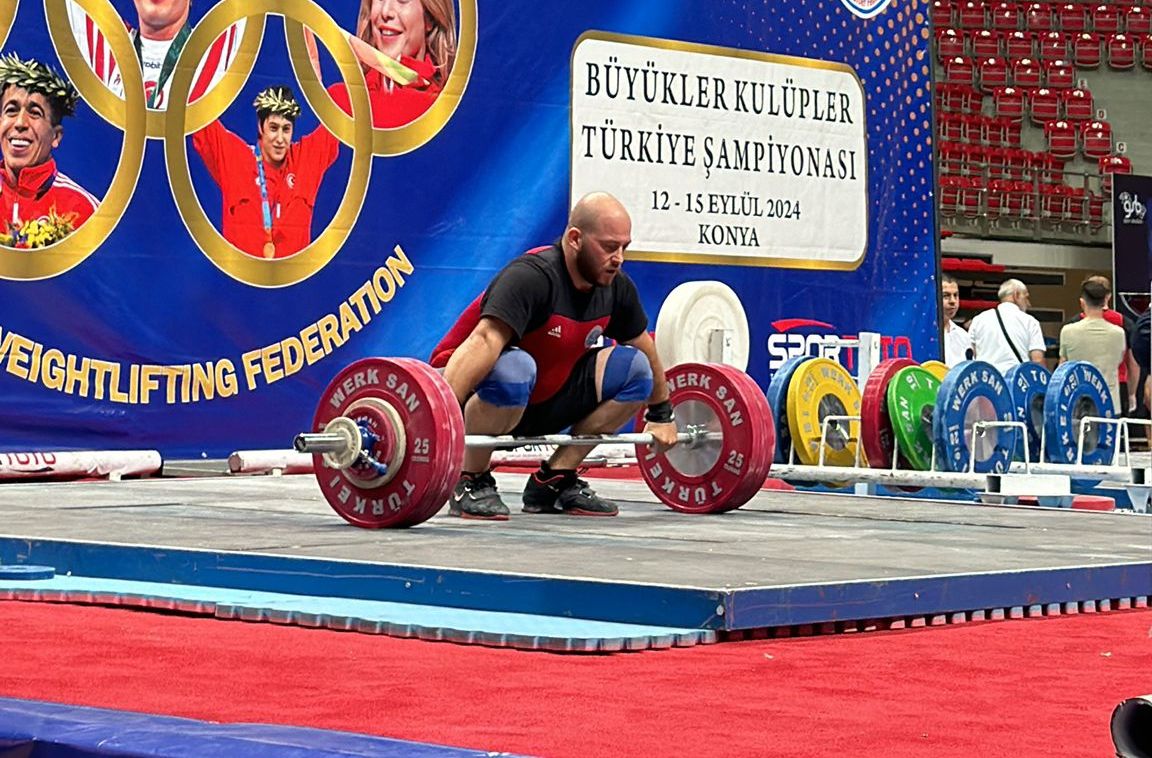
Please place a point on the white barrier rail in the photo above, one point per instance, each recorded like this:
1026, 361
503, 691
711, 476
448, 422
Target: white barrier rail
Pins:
112, 464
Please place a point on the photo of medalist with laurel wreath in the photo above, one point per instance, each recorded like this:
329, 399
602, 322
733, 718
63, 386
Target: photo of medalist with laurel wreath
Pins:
39, 205
406, 48
158, 30
268, 189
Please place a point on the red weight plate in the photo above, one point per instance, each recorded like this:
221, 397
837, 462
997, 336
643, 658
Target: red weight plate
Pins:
762, 448
432, 451
875, 425
717, 475
434, 382
765, 450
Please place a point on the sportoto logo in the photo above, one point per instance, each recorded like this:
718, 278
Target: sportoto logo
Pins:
802, 336
866, 8
805, 336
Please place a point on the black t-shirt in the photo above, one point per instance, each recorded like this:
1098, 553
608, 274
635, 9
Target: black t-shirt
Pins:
1141, 337
555, 322
532, 288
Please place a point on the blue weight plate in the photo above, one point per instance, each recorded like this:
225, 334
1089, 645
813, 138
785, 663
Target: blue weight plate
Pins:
27, 572
1027, 384
1077, 390
973, 391
777, 394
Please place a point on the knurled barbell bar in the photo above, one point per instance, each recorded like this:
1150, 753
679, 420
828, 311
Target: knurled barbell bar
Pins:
388, 436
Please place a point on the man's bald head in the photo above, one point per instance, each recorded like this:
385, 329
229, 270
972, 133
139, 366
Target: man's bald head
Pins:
599, 231
596, 209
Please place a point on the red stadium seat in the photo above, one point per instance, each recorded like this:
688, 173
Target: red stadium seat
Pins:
1047, 168
984, 44
1053, 45
971, 14
1096, 138
997, 158
993, 74
952, 158
951, 127
1018, 162
1072, 17
1027, 73
971, 197
1038, 17
996, 198
974, 161
997, 132
1086, 50
1061, 136
1045, 106
1122, 52
1009, 102
1054, 202
1076, 210
972, 128
1022, 200
1106, 19
1146, 51
950, 194
1078, 105
1138, 21
1095, 210
1018, 44
1005, 16
949, 44
942, 13
959, 69
959, 98
1112, 164
1059, 74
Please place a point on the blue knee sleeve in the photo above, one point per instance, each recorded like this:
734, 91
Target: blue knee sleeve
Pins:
627, 376
510, 383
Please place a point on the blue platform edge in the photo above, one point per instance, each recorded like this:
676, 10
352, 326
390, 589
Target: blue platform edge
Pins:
33, 729
494, 629
678, 608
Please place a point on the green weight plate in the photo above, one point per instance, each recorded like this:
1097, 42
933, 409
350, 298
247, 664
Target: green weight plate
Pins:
911, 402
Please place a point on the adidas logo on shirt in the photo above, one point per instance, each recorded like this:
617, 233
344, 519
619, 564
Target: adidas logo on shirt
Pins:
555, 331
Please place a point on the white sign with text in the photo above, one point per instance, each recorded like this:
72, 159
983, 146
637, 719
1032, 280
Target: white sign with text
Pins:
723, 156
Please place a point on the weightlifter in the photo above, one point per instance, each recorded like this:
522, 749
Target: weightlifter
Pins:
526, 359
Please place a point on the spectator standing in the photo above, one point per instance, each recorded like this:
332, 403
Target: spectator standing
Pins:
1006, 335
957, 343
1093, 338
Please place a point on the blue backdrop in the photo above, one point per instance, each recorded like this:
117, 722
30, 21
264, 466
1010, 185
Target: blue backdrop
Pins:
492, 182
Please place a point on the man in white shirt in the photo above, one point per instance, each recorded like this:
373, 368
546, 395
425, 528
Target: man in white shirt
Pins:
957, 343
1006, 335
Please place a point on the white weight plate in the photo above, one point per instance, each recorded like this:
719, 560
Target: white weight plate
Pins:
689, 316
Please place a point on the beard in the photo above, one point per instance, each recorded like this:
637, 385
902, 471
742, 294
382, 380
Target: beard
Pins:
589, 269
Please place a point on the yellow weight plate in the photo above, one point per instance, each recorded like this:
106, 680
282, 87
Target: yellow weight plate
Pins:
821, 388
938, 369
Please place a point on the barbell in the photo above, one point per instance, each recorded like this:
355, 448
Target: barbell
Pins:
388, 442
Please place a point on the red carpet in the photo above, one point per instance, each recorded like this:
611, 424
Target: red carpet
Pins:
1029, 687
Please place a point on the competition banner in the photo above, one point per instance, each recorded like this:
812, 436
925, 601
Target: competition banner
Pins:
210, 207
1131, 233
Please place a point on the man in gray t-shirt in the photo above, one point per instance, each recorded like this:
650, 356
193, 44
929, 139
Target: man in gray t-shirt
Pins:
1093, 339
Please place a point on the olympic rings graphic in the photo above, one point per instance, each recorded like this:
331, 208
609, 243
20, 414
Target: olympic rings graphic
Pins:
112, 108
357, 134
57, 258
7, 16
404, 139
